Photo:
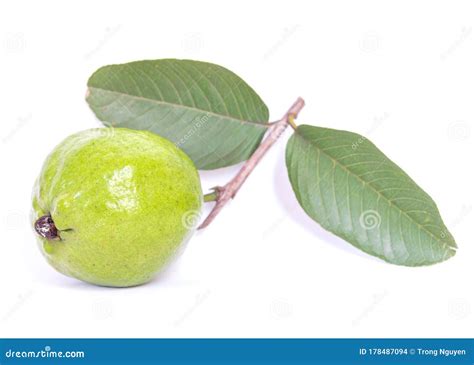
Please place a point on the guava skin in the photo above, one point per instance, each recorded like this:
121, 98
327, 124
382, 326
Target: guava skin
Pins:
122, 202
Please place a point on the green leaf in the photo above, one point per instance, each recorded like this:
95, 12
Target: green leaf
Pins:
347, 185
205, 109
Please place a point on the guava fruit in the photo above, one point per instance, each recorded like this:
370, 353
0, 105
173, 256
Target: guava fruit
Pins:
113, 206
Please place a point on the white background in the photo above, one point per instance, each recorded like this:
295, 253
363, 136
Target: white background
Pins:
399, 72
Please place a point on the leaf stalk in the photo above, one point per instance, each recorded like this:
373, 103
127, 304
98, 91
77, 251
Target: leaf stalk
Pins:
228, 191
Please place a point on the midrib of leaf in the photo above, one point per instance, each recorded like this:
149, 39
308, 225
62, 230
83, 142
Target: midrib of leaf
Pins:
234, 86
365, 183
180, 106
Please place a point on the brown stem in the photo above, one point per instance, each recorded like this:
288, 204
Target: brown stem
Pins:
46, 228
228, 191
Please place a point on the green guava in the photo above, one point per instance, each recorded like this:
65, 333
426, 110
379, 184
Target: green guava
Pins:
113, 206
